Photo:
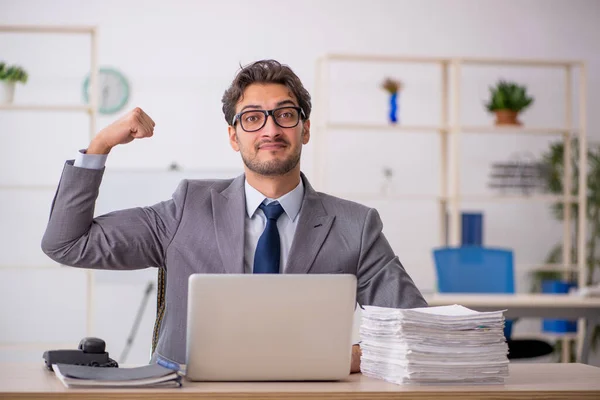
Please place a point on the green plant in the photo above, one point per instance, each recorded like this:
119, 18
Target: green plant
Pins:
554, 164
391, 85
508, 96
13, 73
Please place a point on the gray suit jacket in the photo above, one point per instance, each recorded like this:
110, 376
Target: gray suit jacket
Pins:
201, 230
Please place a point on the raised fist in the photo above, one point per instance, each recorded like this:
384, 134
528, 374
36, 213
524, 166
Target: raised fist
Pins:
136, 124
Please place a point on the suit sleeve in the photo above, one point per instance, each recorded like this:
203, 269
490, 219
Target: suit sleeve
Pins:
133, 238
382, 280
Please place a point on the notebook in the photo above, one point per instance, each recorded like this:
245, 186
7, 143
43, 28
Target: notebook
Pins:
153, 375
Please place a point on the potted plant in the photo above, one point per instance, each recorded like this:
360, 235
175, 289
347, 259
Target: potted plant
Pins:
9, 76
554, 162
507, 100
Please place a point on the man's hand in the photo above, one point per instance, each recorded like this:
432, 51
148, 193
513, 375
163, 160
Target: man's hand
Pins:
356, 353
136, 124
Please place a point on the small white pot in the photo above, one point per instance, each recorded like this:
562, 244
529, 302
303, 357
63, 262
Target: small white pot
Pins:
7, 91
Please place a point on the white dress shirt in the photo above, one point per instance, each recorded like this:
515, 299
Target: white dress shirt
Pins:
255, 220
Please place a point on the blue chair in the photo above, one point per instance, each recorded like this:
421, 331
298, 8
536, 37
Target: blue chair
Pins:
475, 269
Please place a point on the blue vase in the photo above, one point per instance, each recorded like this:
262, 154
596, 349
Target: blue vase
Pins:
393, 108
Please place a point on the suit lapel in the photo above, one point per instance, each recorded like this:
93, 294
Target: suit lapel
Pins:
312, 230
229, 207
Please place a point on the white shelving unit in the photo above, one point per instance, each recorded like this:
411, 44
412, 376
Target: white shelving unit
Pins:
567, 132
451, 129
320, 118
90, 110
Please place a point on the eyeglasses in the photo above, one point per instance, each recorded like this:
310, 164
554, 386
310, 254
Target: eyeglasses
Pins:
254, 120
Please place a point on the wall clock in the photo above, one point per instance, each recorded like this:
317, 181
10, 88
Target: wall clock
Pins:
113, 89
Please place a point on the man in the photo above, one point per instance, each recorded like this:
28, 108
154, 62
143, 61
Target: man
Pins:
229, 226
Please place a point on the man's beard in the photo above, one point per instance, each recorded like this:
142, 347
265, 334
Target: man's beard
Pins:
273, 167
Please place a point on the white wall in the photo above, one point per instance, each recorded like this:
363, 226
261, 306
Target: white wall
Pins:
181, 55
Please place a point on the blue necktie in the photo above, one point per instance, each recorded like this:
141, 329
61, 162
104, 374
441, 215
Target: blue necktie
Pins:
268, 250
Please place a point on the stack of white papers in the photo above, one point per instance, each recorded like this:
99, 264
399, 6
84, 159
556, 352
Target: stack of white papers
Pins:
449, 344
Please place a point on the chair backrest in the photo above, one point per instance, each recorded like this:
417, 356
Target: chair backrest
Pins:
474, 269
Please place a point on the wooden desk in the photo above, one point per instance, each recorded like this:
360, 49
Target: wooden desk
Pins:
526, 381
531, 305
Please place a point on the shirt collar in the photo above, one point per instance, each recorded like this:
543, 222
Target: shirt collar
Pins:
291, 201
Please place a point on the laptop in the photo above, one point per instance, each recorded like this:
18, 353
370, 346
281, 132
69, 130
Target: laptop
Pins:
270, 327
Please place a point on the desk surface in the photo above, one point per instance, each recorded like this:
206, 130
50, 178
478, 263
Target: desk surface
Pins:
518, 299
526, 381
523, 305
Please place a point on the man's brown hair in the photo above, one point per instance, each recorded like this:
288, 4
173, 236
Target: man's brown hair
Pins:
264, 71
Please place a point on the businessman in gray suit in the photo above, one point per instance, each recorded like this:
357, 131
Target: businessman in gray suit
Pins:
268, 220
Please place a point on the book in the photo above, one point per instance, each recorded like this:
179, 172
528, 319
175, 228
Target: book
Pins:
152, 375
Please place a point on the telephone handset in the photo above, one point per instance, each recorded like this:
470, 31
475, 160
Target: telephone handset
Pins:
91, 352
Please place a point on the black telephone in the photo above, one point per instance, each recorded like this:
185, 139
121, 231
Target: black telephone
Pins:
91, 352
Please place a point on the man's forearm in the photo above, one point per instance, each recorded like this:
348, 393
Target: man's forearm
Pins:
356, 353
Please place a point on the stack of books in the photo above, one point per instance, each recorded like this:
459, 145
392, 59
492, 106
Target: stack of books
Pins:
449, 344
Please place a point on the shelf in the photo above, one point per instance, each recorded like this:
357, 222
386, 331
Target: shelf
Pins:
391, 196
384, 127
28, 187
552, 267
536, 198
484, 129
515, 129
45, 107
520, 62
517, 62
556, 336
46, 29
385, 58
